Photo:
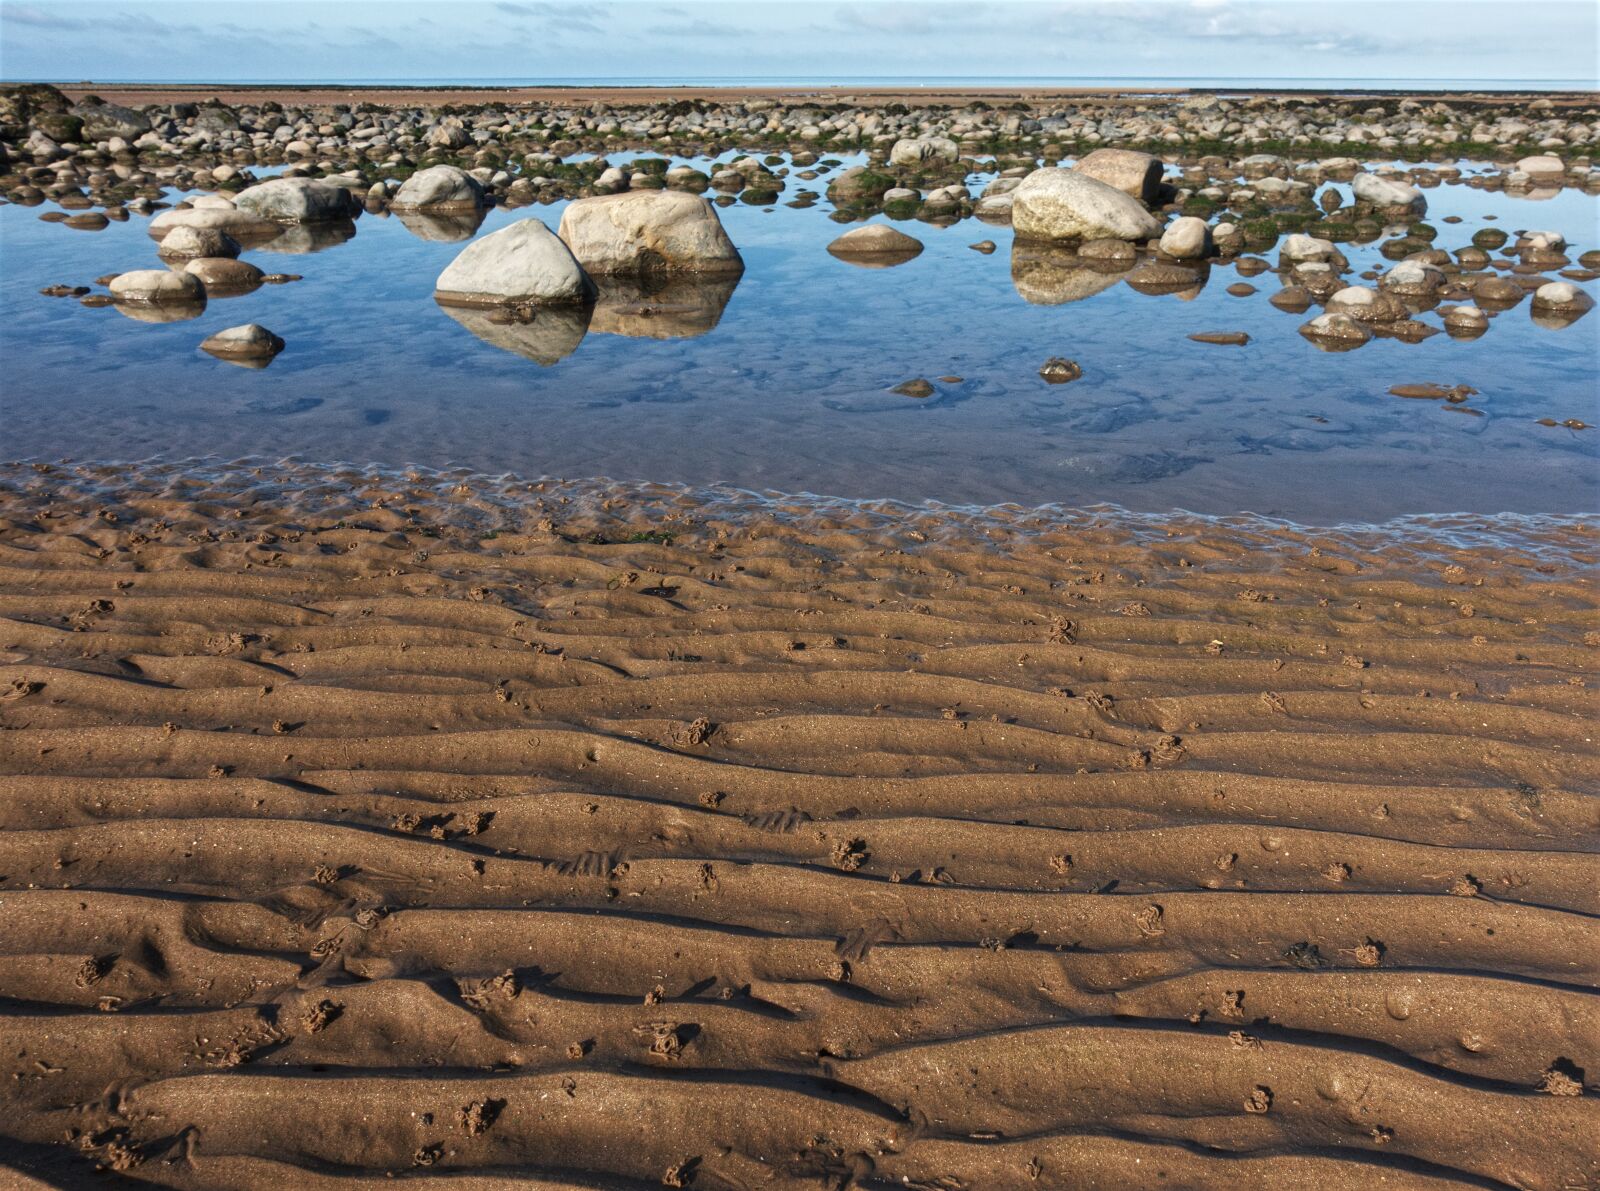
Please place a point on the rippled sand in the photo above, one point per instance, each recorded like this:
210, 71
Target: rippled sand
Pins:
603, 836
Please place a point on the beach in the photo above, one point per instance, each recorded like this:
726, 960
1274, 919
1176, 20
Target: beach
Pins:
362, 825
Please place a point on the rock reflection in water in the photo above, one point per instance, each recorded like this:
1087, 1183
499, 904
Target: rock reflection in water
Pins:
301, 238
165, 312
445, 227
679, 307
546, 336
1048, 275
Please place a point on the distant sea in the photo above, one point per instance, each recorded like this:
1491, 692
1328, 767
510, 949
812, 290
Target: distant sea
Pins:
920, 81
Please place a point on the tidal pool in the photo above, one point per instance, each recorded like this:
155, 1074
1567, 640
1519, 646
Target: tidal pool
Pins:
782, 381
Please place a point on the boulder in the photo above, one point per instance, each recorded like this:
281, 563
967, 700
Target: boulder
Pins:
875, 246
1335, 332
185, 241
1187, 238
1133, 173
1413, 279
101, 121
224, 275
157, 287
1545, 164
1388, 193
856, 184
1561, 296
523, 263
439, 188
917, 153
1299, 248
249, 342
1055, 204
297, 200
649, 231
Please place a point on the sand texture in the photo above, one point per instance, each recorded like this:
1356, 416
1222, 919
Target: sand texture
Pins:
362, 827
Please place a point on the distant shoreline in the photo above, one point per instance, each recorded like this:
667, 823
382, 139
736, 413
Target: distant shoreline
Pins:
650, 92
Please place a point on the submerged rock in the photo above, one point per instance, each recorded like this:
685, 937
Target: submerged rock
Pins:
1058, 371
919, 387
1056, 204
524, 262
224, 276
649, 231
1224, 338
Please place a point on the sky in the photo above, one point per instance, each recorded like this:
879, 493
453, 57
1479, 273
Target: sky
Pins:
357, 40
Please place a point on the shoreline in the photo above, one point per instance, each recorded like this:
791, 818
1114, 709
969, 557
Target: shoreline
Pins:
392, 95
1572, 538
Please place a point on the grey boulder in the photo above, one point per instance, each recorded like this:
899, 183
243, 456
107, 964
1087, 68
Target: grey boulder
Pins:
523, 263
439, 188
648, 231
1055, 204
297, 200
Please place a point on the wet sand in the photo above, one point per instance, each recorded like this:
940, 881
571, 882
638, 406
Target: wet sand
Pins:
591, 836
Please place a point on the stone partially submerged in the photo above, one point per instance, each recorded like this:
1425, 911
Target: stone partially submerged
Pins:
523, 263
158, 287
1388, 193
1134, 173
440, 188
297, 200
649, 231
244, 226
252, 345
1056, 205
875, 246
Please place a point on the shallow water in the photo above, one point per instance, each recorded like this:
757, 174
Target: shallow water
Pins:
783, 382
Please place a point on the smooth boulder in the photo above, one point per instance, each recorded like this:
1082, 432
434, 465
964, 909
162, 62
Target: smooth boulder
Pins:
522, 263
876, 246
249, 342
157, 287
185, 242
649, 231
297, 200
439, 188
1187, 238
244, 226
913, 153
1055, 204
1388, 193
1134, 173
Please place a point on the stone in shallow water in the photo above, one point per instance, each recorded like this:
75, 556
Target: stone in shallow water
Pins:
223, 275
439, 188
157, 287
185, 241
250, 342
918, 387
648, 231
296, 200
522, 262
1223, 338
1056, 204
1130, 171
1335, 332
875, 246
1058, 371
1187, 238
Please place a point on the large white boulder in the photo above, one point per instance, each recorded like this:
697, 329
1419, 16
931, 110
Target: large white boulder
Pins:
1133, 173
296, 200
522, 263
1054, 204
646, 231
915, 153
1388, 192
439, 188
1187, 238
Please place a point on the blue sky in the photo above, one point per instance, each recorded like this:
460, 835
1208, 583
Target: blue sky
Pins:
235, 40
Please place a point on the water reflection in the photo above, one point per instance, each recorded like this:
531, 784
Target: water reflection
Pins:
442, 227
1049, 275
299, 239
546, 336
681, 307
166, 312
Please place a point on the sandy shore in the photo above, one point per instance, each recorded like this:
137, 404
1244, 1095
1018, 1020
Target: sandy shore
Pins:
617, 838
317, 95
